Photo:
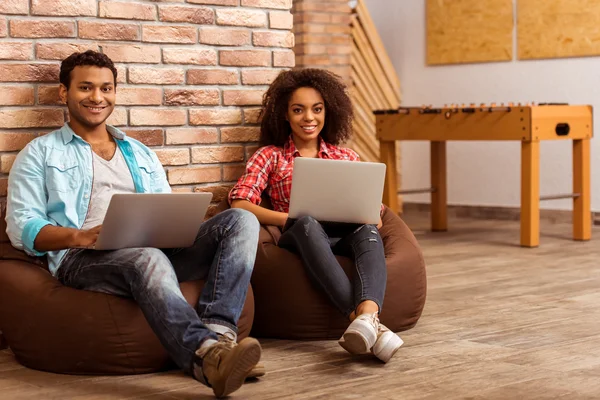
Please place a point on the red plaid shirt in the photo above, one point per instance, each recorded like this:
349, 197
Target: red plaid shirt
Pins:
270, 170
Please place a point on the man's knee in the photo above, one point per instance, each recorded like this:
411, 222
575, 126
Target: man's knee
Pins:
144, 260
139, 255
244, 220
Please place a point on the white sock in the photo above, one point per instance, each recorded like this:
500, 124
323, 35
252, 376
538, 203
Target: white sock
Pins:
222, 330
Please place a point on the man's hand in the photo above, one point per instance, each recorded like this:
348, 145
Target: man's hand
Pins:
52, 238
87, 239
379, 224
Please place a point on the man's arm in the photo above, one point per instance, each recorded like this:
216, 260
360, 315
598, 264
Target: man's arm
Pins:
28, 226
27, 222
26, 200
52, 238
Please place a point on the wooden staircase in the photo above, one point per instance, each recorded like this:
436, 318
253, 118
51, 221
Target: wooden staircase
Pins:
374, 84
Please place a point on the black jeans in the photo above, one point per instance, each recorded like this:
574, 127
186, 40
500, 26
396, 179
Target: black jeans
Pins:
317, 250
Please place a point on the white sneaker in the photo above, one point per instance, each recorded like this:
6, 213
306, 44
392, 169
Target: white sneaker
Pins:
387, 344
361, 334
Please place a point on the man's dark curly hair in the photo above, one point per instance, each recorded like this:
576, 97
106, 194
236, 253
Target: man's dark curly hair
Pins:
89, 57
275, 129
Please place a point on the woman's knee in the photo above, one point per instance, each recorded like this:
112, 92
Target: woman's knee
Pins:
306, 231
366, 238
307, 219
369, 232
307, 224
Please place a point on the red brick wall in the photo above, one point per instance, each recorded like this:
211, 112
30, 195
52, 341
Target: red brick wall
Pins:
323, 36
191, 75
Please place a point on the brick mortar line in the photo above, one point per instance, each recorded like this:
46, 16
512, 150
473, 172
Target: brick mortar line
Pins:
169, 45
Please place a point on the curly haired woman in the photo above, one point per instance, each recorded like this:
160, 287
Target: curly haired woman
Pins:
307, 113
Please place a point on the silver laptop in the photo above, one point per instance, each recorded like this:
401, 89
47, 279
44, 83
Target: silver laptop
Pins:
337, 190
160, 220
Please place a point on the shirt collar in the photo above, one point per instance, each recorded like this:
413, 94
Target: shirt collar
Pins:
68, 134
290, 151
323, 149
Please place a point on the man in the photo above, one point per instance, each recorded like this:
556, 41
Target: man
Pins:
59, 189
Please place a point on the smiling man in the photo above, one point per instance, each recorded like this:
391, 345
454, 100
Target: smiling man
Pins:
58, 192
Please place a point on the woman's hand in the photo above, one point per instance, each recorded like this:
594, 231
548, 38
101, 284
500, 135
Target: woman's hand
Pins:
284, 218
265, 216
380, 224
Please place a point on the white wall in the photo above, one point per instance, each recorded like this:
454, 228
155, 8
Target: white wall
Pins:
485, 173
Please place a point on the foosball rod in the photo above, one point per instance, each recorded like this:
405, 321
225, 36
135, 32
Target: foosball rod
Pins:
560, 196
416, 191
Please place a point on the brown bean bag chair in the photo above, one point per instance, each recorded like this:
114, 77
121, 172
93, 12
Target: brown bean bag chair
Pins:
287, 305
55, 328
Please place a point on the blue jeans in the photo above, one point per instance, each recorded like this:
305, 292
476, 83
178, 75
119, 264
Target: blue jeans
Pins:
223, 254
317, 250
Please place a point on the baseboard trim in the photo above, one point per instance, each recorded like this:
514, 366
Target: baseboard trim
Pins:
497, 213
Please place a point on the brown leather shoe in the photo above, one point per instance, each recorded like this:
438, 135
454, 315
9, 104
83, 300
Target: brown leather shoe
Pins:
225, 367
258, 370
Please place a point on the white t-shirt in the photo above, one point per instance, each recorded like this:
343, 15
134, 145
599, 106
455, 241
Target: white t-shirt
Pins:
110, 177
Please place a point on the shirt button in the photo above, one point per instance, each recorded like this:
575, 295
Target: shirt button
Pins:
87, 196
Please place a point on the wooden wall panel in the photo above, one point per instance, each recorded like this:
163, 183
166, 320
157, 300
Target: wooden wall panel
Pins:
374, 85
558, 28
468, 31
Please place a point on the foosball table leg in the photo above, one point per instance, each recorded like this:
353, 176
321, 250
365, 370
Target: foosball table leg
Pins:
530, 194
439, 198
582, 213
387, 155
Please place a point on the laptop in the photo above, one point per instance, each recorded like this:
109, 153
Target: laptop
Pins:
336, 192
159, 220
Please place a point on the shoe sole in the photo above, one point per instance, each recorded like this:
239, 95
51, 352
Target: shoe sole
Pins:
355, 343
248, 355
388, 349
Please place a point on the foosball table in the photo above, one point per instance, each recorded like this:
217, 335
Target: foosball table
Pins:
527, 123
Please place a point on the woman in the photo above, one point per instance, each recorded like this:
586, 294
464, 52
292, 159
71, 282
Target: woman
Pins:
307, 113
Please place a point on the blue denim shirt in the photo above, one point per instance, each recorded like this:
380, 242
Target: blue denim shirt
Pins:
50, 182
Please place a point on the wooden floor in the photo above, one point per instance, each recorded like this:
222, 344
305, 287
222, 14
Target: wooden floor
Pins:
501, 322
